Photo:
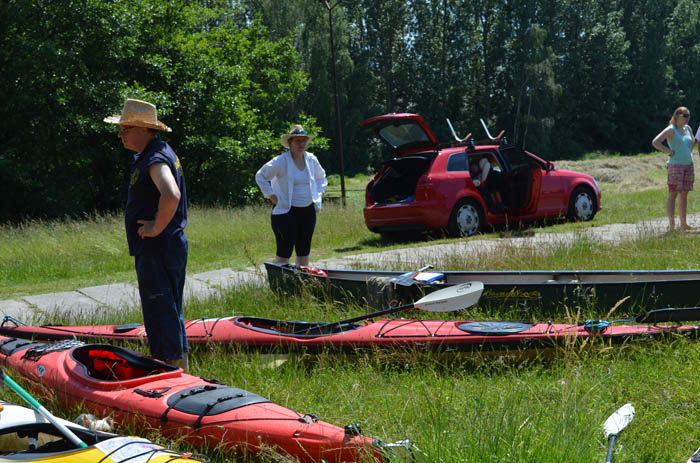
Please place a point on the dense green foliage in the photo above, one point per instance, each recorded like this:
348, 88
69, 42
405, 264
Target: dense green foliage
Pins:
226, 92
561, 77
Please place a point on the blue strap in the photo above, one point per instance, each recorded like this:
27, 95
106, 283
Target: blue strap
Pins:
596, 326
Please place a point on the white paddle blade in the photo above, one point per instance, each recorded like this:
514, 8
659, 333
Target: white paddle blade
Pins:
452, 298
619, 420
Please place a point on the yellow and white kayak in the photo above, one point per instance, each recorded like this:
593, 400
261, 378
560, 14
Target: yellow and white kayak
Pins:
26, 436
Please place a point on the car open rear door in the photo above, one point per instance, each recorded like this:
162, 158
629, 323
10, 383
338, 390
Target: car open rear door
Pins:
405, 133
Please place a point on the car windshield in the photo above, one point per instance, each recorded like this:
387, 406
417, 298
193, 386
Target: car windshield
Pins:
403, 134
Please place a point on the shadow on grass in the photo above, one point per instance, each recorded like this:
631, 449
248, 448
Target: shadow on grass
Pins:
348, 249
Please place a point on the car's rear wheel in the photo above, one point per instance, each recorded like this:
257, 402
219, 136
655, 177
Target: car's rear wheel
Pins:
582, 204
467, 219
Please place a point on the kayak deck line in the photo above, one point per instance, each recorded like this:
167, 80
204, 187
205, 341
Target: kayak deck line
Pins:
467, 335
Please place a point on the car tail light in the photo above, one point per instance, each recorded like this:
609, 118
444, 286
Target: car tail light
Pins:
368, 196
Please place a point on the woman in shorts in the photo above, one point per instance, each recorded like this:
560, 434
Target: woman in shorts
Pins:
681, 175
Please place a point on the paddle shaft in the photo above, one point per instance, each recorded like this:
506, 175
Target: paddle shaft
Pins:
447, 299
380, 313
39, 408
608, 459
360, 318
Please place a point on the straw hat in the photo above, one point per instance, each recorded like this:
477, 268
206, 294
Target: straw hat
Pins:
138, 113
295, 131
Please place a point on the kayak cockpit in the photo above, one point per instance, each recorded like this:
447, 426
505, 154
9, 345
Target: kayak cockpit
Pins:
25, 430
297, 329
110, 367
44, 438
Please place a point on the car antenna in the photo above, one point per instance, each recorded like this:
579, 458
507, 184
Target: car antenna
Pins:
499, 138
460, 140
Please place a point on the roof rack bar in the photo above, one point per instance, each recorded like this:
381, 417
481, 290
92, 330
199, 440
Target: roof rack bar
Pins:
498, 138
488, 134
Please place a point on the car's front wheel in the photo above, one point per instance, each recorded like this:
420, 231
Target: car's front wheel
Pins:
467, 219
582, 205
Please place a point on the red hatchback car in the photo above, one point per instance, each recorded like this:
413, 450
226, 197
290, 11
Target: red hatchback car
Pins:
428, 185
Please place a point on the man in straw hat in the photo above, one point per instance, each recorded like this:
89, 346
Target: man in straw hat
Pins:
155, 220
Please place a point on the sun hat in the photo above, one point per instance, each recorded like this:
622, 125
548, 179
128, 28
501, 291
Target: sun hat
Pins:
295, 131
138, 113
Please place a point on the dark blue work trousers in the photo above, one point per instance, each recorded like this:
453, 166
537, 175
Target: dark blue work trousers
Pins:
161, 278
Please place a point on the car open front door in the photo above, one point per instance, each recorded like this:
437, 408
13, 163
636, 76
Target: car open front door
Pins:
523, 180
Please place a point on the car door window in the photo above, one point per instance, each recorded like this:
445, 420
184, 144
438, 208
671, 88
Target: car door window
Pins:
516, 158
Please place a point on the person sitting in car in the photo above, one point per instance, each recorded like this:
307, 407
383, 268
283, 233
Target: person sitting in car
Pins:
487, 180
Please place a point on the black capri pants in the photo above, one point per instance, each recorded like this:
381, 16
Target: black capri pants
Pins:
294, 230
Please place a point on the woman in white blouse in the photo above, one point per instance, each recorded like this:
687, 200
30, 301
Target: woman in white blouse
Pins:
294, 182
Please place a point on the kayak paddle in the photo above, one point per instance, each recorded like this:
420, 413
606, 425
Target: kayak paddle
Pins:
42, 411
448, 299
615, 424
406, 279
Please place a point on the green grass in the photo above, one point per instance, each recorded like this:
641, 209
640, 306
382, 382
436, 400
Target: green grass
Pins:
44, 257
455, 408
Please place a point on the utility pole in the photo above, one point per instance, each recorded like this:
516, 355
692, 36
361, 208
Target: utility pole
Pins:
337, 100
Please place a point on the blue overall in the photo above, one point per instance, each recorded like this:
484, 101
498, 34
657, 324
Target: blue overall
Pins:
160, 261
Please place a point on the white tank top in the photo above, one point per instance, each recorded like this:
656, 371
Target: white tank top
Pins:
301, 196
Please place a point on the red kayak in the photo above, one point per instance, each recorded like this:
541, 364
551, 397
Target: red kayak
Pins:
464, 335
132, 388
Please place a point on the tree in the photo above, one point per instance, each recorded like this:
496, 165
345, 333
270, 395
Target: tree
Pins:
592, 46
683, 52
69, 63
645, 102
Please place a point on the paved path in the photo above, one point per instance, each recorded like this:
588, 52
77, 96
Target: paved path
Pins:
124, 296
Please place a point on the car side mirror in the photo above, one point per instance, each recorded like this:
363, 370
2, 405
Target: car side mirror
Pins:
550, 166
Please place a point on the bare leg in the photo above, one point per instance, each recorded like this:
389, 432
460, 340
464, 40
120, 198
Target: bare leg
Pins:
671, 209
281, 260
302, 260
682, 209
